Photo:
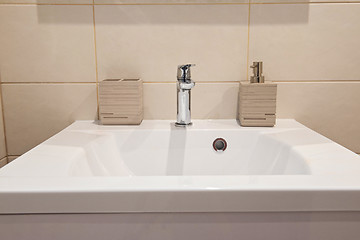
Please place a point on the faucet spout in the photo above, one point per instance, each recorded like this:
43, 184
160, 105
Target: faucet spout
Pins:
184, 86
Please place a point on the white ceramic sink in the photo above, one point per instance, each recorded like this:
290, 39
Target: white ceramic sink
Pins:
121, 164
158, 148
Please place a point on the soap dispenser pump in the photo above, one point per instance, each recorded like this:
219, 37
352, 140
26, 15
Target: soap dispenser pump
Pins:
257, 100
257, 71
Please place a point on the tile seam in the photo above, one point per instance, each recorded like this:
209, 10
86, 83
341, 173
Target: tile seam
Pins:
197, 82
270, 3
115, 4
3, 118
46, 4
57, 83
316, 81
167, 4
277, 81
248, 43
96, 65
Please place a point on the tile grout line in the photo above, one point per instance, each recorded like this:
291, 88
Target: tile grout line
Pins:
3, 118
167, 4
225, 3
10, 83
197, 82
96, 65
315, 81
270, 3
116, 4
248, 44
48, 4
277, 81
120, 4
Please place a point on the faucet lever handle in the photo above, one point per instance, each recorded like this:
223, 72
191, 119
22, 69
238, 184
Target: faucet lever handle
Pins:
188, 65
184, 73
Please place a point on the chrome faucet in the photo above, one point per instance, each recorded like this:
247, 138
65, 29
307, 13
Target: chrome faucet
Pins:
184, 85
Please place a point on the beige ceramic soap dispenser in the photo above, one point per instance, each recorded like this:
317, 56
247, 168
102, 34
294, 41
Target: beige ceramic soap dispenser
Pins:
257, 100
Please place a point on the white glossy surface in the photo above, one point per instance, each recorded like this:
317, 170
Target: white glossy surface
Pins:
156, 167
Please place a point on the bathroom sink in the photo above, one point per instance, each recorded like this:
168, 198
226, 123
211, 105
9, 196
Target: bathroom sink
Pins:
204, 165
158, 148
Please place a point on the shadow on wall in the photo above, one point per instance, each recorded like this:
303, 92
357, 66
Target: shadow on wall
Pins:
174, 14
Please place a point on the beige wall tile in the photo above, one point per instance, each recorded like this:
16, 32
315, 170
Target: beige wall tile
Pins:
46, 43
49, 1
166, 1
160, 100
3, 162
214, 100
35, 112
306, 41
332, 109
208, 100
150, 41
2, 135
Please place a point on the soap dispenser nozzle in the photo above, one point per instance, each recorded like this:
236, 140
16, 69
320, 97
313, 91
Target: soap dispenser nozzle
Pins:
257, 70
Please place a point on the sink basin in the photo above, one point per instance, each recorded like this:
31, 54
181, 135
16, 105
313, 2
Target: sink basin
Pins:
157, 161
158, 148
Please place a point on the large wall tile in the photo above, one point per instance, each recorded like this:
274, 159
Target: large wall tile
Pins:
49, 1
2, 135
35, 112
166, 1
306, 41
160, 100
214, 100
208, 100
331, 109
150, 41
46, 43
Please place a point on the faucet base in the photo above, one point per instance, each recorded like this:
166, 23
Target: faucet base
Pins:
182, 124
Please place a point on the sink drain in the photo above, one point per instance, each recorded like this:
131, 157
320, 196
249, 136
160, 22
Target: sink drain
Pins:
219, 144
